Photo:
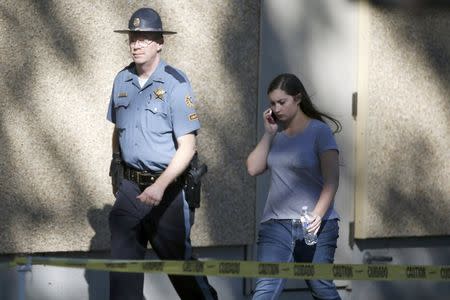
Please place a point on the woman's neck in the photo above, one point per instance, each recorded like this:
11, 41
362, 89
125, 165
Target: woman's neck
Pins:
298, 123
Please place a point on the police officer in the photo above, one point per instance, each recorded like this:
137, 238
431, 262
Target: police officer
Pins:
153, 108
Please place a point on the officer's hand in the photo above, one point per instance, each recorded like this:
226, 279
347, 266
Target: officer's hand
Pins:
269, 123
152, 195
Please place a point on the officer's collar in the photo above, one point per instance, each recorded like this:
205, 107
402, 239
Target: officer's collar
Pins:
157, 75
159, 71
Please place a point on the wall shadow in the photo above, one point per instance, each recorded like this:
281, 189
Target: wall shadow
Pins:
60, 33
19, 65
228, 185
98, 281
398, 207
429, 36
422, 26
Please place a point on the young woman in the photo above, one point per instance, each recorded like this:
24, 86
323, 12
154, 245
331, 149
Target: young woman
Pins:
303, 160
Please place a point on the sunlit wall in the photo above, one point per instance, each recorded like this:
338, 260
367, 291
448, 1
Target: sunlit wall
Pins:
403, 178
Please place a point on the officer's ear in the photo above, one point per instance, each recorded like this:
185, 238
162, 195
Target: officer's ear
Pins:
159, 39
160, 46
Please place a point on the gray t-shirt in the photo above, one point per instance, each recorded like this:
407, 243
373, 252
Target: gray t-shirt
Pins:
296, 179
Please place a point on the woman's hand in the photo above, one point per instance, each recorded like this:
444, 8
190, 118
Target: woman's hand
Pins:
270, 125
314, 223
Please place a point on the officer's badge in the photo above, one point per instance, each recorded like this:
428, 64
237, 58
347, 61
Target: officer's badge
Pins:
193, 117
136, 22
159, 93
189, 102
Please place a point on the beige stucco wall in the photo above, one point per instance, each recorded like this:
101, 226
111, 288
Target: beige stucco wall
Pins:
58, 60
404, 176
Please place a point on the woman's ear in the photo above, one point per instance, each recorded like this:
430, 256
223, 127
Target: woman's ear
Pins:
298, 98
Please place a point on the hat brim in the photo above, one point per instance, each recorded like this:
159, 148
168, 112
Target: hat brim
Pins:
156, 31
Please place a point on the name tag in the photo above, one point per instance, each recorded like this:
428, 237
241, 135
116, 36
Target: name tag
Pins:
123, 94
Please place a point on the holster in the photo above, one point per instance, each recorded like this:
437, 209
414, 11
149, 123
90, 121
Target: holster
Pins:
116, 172
192, 182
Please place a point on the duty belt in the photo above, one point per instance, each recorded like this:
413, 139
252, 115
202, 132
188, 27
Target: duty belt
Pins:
142, 178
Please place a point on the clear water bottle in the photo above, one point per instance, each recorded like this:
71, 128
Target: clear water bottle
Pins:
305, 217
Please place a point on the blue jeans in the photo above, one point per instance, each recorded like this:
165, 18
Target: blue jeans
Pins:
277, 242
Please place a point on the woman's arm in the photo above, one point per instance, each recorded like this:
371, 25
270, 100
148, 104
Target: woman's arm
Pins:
329, 164
257, 160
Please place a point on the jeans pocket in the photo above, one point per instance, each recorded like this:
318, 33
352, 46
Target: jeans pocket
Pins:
329, 232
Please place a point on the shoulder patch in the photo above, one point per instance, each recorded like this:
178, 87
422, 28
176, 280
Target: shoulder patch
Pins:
188, 101
175, 74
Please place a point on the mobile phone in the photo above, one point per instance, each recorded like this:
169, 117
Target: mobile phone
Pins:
274, 117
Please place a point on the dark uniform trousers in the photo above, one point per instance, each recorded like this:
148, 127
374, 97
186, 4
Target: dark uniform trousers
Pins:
167, 228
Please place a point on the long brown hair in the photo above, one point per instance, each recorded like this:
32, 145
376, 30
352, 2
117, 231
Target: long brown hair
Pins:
291, 85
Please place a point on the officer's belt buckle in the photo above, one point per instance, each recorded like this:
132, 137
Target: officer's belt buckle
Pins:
143, 178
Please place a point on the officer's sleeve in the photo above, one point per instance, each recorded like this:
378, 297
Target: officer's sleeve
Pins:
184, 117
111, 115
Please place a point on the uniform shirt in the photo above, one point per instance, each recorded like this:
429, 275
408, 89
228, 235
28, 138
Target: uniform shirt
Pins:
296, 177
150, 119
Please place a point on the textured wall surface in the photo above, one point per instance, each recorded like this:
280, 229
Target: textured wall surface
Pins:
58, 60
408, 124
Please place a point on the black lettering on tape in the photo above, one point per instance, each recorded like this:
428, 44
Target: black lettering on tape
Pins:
153, 266
342, 271
229, 268
193, 266
268, 269
377, 272
445, 272
116, 265
307, 270
415, 272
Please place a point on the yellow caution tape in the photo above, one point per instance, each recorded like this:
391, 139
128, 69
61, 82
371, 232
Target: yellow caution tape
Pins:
232, 268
